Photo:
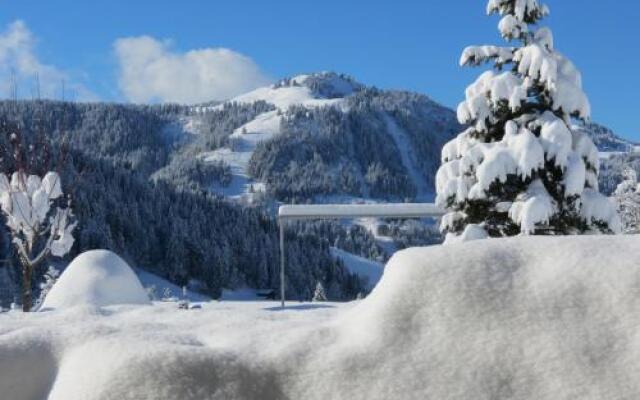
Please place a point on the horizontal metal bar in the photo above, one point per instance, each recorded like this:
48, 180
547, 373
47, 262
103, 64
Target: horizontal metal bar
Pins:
337, 211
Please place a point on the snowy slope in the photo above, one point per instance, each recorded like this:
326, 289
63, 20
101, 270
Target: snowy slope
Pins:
531, 318
245, 139
402, 141
150, 280
367, 269
297, 91
285, 97
392, 119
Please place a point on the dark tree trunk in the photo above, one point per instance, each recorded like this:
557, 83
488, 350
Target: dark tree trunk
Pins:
27, 272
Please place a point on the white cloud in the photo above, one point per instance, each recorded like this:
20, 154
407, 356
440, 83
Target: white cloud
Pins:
150, 71
18, 58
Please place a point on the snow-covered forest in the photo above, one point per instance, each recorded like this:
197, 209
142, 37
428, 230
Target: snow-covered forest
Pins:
139, 182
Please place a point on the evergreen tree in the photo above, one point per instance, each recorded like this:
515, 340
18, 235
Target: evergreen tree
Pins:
520, 166
627, 196
319, 294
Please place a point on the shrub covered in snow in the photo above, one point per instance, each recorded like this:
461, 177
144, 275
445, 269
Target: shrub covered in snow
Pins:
38, 227
96, 278
520, 167
319, 294
627, 197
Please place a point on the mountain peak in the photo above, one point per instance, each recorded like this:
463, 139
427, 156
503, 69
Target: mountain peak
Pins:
329, 85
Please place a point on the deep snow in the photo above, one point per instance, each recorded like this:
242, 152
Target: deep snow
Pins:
522, 318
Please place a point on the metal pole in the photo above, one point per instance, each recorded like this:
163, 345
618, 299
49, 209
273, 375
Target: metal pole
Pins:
282, 262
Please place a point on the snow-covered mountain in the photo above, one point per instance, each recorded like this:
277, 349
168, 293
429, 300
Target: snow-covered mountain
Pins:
142, 177
325, 135
606, 140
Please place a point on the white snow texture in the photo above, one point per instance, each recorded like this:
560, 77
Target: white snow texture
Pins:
529, 318
96, 278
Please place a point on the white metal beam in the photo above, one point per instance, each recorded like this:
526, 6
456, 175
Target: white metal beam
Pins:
339, 211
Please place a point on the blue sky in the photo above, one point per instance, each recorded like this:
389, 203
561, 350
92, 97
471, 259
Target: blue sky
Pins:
95, 46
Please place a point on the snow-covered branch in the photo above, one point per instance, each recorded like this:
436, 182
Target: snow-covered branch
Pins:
27, 204
521, 167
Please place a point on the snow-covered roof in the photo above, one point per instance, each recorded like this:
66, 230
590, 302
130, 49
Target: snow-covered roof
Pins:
327, 211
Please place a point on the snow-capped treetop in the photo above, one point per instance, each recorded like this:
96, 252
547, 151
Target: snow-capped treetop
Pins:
627, 197
517, 15
520, 167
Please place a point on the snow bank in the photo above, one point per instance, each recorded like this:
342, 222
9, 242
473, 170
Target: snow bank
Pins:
530, 318
523, 318
96, 278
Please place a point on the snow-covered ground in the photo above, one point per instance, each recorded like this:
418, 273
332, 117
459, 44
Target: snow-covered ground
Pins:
524, 318
162, 286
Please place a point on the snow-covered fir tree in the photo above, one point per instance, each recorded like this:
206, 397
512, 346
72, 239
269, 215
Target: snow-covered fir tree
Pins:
520, 167
319, 294
627, 196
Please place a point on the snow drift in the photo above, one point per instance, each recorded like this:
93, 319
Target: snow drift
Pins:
96, 278
537, 318
524, 318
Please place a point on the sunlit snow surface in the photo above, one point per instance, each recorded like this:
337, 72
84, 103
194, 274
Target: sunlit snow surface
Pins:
544, 318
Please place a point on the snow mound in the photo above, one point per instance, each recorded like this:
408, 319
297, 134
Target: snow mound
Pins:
96, 278
528, 318
522, 318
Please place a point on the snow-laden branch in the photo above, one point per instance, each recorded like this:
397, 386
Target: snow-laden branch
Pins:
521, 166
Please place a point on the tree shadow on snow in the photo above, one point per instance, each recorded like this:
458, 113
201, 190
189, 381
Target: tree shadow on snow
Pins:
299, 307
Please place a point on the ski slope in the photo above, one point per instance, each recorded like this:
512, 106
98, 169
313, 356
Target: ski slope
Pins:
244, 139
264, 127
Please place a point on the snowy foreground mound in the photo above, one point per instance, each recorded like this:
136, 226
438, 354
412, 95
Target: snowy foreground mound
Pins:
526, 318
96, 278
